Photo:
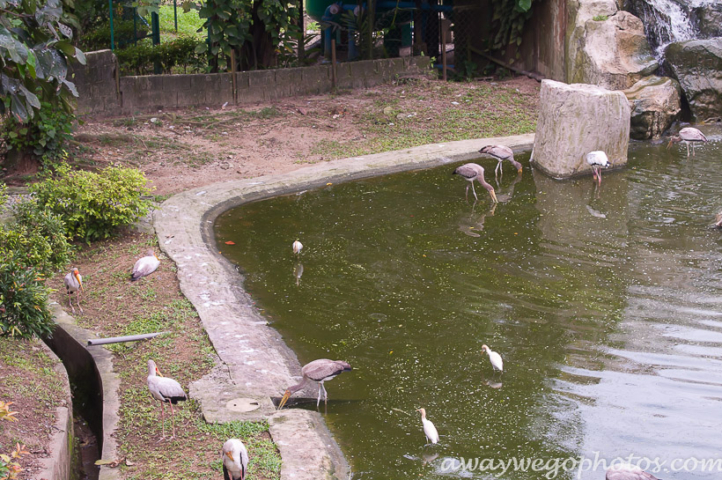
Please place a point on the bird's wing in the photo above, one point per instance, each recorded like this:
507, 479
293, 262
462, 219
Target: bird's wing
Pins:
502, 151
468, 170
69, 281
169, 388
145, 266
324, 368
430, 431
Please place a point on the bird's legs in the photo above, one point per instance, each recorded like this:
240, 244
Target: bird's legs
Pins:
687, 143
320, 387
599, 175
70, 302
693, 149
172, 420
325, 394
77, 299
472, 189
497, 171
162, 419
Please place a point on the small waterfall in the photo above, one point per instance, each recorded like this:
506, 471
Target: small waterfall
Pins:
668, 21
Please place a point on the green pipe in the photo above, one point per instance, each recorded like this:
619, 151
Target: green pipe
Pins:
175, 15
135, 26
112, 32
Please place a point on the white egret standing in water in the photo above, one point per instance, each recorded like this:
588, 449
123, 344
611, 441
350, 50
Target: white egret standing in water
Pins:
496, 362
432, 436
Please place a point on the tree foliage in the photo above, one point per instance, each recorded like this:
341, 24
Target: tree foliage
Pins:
35, 45
511, 16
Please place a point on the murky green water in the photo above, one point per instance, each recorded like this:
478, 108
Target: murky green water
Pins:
606, 305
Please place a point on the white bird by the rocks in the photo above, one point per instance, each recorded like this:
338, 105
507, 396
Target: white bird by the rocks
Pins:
597, 160
688, 135
496, 362
235, 460
297, 246
165, 390
74, 285
321, 370
501, 153
145, 266
432, 436
471, 172
626, 471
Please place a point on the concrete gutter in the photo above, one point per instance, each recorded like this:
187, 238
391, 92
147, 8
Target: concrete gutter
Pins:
256, 365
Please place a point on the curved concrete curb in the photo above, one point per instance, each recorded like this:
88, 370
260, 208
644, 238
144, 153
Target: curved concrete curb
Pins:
256, 363
69, 343
58, 465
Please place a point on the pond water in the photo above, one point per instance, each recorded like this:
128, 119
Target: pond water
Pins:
605, 303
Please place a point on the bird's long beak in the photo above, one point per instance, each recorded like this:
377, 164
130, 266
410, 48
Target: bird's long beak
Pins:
669, 145
493, 195
228, 454
80, 282
285, 398
520, 170
157, 372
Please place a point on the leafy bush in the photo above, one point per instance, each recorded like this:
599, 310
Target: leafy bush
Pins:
140, 59
91, 204
44, 135
23, 301
99, 37
37, 237
9, 467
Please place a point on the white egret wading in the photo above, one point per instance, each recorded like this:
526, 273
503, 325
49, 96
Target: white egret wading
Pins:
688, 135
165, 390
74, 285
432, 436
145, 266
496, 362
321, 370
297, 246
235, 460
471, 172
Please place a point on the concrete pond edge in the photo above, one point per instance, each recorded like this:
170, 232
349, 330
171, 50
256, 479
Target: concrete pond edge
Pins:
255, 364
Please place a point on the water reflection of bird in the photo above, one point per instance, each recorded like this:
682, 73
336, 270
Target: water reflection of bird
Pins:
145, 266
235, 460
297, 272
166, 390
471, 172
688, 135
597, 160
427, 458
74, 285
501, 153
432, 436
493, 384
473, 225
496, 362
628, 472
320, 371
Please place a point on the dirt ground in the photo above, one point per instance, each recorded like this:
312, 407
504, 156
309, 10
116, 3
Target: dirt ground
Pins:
193, 148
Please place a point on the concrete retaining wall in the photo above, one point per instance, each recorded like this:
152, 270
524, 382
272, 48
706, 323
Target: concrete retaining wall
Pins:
102, 92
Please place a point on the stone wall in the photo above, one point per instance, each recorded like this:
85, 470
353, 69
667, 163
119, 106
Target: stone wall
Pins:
102, 93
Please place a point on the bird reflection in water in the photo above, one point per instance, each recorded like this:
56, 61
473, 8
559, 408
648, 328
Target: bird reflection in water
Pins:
298, 272
473, 224
427, 458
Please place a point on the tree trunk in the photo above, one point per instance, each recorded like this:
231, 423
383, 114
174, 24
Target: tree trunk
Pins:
258, 52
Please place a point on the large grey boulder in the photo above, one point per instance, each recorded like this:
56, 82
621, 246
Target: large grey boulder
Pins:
575, 120
655, 102
708, 18
697, 65
606, 46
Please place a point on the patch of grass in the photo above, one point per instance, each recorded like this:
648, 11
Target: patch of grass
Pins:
600, 18
188, 23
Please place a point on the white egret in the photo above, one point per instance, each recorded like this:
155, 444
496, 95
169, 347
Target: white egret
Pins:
496, 362
321, 370
471, 172
165, 390
432, 436
235, 460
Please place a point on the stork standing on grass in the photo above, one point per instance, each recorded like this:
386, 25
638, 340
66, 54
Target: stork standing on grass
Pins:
501, 153
688, 135
496, 362
471, 172
235, 460
432, 435
597, 160
320, 371
145, 266
74, 285
165, 390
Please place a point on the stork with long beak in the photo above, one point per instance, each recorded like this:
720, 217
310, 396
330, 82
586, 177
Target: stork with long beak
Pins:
145, 266
501, 153
235, 460
165, 390
321, 370
471, 172
688, 135
74, 285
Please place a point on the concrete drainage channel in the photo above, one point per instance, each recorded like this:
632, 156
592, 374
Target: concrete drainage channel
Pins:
256, 365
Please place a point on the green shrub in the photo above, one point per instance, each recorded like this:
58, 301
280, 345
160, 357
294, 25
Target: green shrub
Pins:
3, 194
140, 59
600, 18
37, 238
44, 135
23, 301
99, 37
93, 205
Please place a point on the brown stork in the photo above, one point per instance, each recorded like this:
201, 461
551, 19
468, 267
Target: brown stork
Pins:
471, 172
319, 371
688, 135
501, 153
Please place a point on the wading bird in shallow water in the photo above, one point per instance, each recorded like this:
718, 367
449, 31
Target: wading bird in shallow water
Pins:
597, 160
74, 285
628, 472
688, 135
235, 460
166, 390
432, 436
321, 370
496, 362
471, 172
145, 266
501, 153
717, 221
297, 246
